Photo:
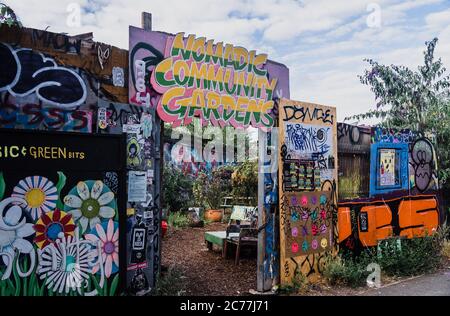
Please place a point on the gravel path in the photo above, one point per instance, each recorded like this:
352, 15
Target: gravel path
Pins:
206, 273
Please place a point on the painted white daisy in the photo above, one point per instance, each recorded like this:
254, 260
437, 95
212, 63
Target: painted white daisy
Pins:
13, 230
39, 193
65, 265
89, 203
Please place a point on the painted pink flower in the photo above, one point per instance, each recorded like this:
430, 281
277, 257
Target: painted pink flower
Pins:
106, 235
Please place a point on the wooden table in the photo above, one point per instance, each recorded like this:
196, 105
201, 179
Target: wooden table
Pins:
218, 238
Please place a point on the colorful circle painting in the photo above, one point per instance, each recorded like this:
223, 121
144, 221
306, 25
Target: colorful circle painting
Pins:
314, 229
295, 232
295, 247
315, 244
294, 201
305, 246
304, 200
324, 243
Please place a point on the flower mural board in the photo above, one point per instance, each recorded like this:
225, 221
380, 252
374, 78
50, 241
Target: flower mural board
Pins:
59, 230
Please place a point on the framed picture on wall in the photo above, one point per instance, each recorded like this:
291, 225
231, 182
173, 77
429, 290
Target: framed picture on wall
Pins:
388, 168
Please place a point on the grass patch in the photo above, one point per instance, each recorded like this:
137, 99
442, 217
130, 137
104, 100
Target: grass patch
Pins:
299, 285
396, 258
171, 283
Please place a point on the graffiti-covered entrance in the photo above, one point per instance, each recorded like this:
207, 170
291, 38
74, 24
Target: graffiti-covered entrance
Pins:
60, 219
186, 77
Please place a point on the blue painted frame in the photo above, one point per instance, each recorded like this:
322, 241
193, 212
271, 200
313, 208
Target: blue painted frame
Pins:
402, 151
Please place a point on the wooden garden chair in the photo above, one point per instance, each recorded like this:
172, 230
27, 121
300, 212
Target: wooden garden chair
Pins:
245, 225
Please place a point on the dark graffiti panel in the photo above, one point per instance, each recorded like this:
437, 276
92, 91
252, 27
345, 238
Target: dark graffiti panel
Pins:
25, 72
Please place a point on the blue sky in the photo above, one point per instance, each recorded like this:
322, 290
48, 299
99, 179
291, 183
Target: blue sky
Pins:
323, 42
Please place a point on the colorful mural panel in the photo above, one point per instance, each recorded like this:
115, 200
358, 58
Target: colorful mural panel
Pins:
308, 190
388, 168
364, 224
310, 229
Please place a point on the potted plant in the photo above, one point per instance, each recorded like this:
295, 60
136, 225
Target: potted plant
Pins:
209, 191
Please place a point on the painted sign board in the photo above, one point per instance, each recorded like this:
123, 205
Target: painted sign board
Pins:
307, 187
185, 76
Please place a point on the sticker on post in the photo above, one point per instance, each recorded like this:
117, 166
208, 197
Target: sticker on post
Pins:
132, 128
137, 186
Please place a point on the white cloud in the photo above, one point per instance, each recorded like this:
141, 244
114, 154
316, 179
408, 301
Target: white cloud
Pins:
322, 42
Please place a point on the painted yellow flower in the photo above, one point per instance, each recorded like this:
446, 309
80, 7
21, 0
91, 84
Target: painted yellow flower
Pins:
39, 193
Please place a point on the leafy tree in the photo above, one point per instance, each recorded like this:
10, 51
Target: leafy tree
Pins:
209, 190
245, 180
8, 17
413, 99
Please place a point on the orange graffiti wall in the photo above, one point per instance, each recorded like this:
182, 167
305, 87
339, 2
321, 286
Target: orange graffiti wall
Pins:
366, 223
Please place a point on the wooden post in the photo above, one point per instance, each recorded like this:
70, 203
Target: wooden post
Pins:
146, 21
146, 24
262, 141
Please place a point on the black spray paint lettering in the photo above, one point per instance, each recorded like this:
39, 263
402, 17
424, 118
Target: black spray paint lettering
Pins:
303, 113
57, 41
309, 138
24, 72
422, 157
120, 117
352, 132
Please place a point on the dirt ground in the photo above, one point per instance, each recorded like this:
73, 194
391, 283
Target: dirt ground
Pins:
206, 273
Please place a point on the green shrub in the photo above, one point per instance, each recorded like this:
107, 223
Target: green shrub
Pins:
414, 257
348, 271
177, 190
446, 250
178, 220
299, 285
245, 180
396, 257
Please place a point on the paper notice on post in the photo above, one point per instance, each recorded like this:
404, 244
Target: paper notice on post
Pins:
137, 186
